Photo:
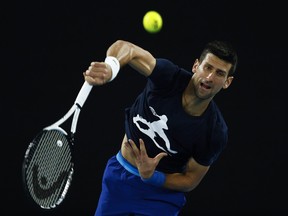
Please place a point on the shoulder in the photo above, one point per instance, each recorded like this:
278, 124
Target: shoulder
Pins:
165, 64
218, 116
168, 70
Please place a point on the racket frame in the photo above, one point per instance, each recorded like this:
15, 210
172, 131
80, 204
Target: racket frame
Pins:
76, 108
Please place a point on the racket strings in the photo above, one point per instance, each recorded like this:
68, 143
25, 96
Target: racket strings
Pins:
50, 168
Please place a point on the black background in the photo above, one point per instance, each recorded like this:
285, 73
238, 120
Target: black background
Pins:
46, 45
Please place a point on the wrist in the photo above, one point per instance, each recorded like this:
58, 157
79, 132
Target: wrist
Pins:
114, 64
157, 179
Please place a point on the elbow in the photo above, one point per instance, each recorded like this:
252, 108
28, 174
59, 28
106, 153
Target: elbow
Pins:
190, 188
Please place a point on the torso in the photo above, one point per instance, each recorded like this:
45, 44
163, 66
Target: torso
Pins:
158, 117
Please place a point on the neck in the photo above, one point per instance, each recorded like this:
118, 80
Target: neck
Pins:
193, 105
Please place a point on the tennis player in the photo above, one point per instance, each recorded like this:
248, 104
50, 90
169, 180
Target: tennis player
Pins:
174, 130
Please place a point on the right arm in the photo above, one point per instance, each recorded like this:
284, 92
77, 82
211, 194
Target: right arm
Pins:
127, 53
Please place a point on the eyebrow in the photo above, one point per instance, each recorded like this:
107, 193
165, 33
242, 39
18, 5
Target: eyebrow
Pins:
217, 69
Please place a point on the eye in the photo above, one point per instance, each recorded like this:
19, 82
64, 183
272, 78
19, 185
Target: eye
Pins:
207, 67
221, 73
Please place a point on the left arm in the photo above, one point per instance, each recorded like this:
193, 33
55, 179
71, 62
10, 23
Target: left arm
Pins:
189, 179
184, 182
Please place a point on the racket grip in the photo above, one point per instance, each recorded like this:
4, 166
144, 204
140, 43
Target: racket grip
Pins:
83, 94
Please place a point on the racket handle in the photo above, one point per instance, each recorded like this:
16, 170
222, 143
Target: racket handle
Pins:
83, 94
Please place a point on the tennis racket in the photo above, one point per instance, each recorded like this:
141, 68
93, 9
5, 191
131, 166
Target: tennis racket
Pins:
48, 163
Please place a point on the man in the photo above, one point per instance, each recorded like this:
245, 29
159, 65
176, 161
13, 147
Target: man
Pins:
174, 130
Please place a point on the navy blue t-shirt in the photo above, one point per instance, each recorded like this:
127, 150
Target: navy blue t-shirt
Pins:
158, 117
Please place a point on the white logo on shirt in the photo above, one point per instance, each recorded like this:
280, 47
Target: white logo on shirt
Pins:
155, 127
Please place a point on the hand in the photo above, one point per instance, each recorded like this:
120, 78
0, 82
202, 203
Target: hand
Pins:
98, 73
146, 165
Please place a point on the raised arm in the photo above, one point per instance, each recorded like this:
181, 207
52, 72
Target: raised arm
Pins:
125, 52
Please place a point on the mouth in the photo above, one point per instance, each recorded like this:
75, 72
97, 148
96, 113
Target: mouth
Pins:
205, 86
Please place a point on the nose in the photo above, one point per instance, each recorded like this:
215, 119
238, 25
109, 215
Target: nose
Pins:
209, 75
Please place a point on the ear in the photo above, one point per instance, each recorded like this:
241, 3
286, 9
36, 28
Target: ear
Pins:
195, 65
228, 82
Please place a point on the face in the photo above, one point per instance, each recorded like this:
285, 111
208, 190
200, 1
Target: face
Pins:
210, 76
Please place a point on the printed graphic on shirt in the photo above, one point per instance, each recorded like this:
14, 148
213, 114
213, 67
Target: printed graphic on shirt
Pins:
154, 128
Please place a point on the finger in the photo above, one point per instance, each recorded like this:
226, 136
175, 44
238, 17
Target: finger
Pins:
129, 149
135, 149
89, 79
128, 146
133, 145
97, 78
142, 147
159, 156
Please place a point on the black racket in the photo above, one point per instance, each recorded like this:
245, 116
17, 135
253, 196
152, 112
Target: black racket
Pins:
48, 162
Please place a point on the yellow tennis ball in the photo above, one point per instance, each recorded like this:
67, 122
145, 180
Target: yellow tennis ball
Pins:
152, 22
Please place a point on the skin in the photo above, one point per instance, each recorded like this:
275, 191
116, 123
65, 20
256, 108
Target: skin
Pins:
209, 77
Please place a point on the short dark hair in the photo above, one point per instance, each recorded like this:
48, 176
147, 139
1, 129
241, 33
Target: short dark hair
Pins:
224, 51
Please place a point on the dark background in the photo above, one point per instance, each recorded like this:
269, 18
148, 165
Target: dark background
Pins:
46, 45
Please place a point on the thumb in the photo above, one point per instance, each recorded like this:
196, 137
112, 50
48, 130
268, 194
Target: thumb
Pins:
160, 156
